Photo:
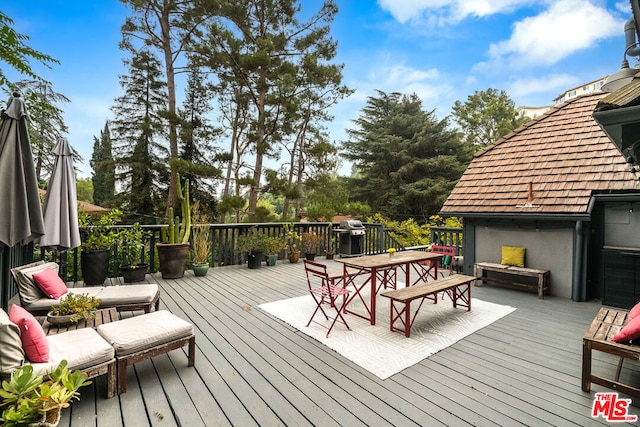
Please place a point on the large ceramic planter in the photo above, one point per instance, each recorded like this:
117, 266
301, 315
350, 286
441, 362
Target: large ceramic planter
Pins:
310, 256
134, 274
200, 269
254, 259
95, 266
272, 260
173, 259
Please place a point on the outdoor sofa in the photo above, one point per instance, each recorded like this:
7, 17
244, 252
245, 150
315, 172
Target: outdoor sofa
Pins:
109, 349
123, 297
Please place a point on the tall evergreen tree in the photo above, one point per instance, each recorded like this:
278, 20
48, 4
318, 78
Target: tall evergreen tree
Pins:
260, 46
407, 160
196, 139
486, 116
104, 170
168, 26
138, 134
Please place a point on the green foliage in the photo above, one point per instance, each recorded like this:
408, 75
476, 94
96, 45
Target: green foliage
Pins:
84, 190
179, 231
292, 238
408, 161
409, 232
131, 243
17, 54
274, 245
200, 234
82, 306
251, 241
27, 398
98, 230
104, 169
487, 116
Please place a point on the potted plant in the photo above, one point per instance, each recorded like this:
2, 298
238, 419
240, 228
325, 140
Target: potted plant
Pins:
29, 400
200, 240
310, 242
331, 248
73, 307
172, 252
253, 244
99, 238
272, 247
131, 243
292, 240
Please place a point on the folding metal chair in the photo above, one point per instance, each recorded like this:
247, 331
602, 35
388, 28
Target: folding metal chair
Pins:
449, 253
324, 290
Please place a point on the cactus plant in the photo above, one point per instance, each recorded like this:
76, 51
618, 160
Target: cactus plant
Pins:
179, 231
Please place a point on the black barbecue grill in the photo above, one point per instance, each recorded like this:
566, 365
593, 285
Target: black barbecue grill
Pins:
351, 237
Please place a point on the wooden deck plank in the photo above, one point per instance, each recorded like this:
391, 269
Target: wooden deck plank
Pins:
253, 369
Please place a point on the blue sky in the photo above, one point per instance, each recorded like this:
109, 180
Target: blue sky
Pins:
443, 50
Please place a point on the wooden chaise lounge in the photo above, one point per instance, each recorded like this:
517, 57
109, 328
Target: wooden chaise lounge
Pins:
144, 297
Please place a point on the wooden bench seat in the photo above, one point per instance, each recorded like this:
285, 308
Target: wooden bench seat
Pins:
457, 286
543, 285
607, 323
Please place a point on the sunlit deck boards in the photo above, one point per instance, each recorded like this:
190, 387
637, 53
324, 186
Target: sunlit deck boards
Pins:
253, 369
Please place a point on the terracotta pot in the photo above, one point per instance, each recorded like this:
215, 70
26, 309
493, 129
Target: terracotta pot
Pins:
294, 257
173, 259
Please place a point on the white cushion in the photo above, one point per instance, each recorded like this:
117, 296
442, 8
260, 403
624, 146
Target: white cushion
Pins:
29, 291
110, 296
119, 295
145, 331
82, 348
11, 353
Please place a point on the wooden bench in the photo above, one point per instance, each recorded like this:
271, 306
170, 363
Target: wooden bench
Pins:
543, 286
457, 286
606, 324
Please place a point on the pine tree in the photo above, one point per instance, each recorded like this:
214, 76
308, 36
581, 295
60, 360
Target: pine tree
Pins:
262, 48
138, 134
407, 160
104, 170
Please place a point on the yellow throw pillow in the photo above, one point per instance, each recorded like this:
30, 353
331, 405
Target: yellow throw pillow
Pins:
513, 256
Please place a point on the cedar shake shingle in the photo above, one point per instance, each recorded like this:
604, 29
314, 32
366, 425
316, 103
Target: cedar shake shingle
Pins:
563, 154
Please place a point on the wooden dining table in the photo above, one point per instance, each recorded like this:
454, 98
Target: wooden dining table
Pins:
383, 268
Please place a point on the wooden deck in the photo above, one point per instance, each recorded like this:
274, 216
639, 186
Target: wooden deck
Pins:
253, 369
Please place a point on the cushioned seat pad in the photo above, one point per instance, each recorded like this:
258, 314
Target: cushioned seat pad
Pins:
139, 333
110, 296
81, 348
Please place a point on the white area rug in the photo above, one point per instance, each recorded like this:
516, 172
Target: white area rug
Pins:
376, 348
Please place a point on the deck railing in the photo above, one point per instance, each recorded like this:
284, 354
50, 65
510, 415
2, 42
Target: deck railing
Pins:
223, 252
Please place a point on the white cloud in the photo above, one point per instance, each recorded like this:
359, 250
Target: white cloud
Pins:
566, 27
543, 84
447, 11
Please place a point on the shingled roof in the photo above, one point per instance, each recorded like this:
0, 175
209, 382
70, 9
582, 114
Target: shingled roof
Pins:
552, 165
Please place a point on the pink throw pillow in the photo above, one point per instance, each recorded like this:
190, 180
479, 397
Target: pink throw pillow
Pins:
630, 331
50, 283
634, 312
34, 340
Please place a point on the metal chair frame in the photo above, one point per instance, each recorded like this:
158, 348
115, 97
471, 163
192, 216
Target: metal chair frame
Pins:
327, 293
